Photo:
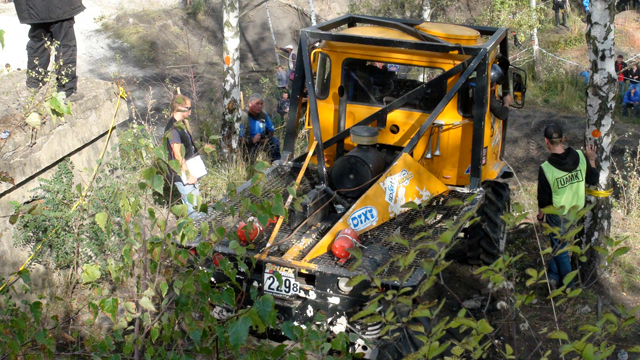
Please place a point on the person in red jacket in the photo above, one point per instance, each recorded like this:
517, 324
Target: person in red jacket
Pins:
622, 74
51, 21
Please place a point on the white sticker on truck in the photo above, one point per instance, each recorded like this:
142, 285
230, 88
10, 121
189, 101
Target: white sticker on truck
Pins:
363, 218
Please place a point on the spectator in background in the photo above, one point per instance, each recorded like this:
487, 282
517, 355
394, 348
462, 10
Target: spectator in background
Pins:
257, 130
559, 7
585, 74
282, 78
586, 6
51, 20
623, 5
622, 73
291, 55
283, 106
178, 140
516, 41
634, 75
7, 69
631, 99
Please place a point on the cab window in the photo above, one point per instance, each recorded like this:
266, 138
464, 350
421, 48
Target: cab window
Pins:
380, 83
323, 76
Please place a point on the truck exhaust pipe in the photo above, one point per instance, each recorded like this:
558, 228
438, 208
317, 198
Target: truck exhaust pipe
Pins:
440, 125
428, 154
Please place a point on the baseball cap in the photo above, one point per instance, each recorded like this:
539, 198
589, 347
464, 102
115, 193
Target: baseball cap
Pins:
289, 47
553, 132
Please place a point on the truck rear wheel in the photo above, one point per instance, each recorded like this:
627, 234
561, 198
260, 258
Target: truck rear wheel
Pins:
487, 238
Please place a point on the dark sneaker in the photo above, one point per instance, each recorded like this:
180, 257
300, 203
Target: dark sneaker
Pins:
76, 96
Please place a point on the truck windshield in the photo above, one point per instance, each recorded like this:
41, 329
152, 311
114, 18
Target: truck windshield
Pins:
380, 83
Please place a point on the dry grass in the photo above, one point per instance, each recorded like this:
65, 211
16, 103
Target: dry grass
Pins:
627, 24
626, 222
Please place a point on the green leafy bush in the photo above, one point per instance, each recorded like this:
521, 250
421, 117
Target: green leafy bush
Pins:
159, 302
70, 238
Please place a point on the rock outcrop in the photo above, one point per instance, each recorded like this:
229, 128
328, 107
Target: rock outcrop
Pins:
28, 155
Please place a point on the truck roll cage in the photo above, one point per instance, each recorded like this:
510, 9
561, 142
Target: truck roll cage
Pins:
478, 61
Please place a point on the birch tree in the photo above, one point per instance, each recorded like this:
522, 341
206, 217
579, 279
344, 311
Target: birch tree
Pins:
535, 46
312, 13
231, 77
273, 36
601, 96
427, 10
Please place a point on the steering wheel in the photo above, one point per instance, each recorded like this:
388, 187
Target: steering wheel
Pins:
387, 89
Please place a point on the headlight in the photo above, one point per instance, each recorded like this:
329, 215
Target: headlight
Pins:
342, 285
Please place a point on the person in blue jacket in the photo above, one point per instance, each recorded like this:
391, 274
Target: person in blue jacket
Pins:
631, 99
256, 129
586, 6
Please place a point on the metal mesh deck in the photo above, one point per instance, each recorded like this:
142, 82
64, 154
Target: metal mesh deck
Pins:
379, 250
277, 180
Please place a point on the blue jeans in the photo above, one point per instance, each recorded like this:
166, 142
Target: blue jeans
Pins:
559, 265
623, 88
186, 189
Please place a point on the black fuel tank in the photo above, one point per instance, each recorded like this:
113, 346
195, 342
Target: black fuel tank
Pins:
359, 165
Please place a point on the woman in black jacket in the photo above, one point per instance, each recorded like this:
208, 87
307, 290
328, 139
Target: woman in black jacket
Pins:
51, 20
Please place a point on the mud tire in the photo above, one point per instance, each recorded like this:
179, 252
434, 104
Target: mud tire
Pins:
487, 238
404, 340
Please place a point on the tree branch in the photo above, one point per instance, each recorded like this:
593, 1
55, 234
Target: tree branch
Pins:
244, 12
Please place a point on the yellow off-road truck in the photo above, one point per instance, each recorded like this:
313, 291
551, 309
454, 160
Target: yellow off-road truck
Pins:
397, 112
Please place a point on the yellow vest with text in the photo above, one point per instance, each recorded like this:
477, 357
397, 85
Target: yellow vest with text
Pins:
568, 188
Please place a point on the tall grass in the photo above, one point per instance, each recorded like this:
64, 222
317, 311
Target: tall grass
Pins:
560, 89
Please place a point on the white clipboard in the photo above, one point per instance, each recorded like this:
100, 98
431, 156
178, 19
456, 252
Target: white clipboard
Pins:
196, 167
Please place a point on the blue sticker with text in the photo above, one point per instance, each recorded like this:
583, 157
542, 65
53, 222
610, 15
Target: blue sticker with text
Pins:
362, 218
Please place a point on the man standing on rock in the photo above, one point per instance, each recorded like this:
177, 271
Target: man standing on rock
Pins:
562, 181
282, 79
51, 21
292, 57
179, 138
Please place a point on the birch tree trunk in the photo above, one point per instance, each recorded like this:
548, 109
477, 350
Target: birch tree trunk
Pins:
231, 80
601, 97
273, 36
312, 12
427, 10
537, 73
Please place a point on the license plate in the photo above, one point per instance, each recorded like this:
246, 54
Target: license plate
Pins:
289, 285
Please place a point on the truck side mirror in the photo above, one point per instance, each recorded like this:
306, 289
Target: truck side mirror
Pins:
518, 86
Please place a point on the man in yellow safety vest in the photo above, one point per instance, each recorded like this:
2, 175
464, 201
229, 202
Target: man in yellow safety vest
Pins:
562, 181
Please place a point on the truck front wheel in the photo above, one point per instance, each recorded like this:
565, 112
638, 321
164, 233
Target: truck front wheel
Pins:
487, 238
